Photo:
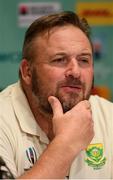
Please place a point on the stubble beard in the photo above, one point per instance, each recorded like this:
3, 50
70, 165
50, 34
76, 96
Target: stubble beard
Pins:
68, 101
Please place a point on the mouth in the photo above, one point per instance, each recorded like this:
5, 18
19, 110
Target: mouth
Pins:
72, 89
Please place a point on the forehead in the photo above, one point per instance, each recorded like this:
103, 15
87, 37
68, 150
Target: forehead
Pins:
66, 38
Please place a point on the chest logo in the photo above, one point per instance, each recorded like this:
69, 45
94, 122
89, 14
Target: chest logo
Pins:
31, 155
95, 156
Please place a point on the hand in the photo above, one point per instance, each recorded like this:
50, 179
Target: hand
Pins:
74, 127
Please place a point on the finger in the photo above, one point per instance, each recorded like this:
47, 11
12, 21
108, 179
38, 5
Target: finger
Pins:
87, 104
82, 104
56, 106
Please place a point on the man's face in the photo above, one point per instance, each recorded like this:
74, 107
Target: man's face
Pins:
63, 67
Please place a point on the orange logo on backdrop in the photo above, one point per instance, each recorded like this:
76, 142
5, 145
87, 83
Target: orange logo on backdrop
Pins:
102, 91
96, 13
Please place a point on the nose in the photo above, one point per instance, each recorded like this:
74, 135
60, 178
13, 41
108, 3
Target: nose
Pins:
73, 68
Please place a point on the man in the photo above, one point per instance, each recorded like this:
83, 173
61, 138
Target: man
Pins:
50, 127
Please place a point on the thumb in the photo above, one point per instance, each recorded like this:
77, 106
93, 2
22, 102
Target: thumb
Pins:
56, 106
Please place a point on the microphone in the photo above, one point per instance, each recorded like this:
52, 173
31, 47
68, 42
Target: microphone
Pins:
5, 172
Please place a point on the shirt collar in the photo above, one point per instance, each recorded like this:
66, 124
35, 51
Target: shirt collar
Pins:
24, 114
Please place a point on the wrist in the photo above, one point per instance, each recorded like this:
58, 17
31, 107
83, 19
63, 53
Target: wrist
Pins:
66, 148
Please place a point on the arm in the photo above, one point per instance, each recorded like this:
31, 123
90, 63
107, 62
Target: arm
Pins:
73, 132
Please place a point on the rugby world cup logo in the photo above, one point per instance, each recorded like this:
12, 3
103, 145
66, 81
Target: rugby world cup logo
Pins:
31, 155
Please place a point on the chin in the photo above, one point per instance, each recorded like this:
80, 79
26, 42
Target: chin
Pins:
68, 105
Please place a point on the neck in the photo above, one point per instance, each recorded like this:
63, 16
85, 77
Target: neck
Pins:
44, 121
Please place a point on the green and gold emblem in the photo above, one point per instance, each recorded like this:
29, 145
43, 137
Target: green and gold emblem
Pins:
95, 157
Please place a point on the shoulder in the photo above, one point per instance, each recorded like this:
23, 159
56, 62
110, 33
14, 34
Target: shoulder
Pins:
94, 99
7, 91
6, 106
101, 105
7, 94
5, 100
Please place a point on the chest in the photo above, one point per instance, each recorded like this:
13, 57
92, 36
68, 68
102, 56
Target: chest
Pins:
30, 150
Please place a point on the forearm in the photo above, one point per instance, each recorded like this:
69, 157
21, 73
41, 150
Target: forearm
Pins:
54, 163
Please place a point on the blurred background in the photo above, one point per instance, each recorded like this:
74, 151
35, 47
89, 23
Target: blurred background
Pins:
17, 15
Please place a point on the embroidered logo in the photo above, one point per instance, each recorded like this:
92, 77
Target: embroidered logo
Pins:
31, 155
95, 157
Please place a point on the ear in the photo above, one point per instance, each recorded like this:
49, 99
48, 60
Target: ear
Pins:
25, 71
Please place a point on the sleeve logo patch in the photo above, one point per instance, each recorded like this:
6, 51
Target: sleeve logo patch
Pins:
95, 156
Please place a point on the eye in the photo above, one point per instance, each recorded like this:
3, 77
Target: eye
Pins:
84, 61
60, 61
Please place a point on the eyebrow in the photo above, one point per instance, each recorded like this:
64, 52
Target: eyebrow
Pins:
85, 54
65, 54
58, 54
